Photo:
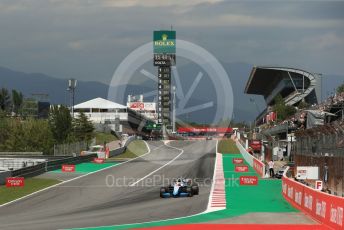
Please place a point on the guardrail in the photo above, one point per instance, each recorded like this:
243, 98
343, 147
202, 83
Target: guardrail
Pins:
44, 167
21, 153
56, 164
325, 208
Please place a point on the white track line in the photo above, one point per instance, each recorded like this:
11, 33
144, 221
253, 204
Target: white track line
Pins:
31, 194
151, 173
208, 210
217, 196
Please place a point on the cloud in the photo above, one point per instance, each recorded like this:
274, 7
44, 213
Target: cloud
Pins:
102, 32
241, 20
10, 5
322, 42
157, 3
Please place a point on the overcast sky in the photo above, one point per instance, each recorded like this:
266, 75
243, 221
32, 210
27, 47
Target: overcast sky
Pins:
87, 39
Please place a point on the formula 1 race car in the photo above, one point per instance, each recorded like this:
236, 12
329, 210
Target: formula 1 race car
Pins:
180, 188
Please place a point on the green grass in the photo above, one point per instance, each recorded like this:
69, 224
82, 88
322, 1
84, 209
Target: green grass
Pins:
30, 185
227, 146
104, 137
265, 197
135, 148
88, 167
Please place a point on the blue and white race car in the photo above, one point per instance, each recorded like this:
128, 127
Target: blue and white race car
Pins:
180, 188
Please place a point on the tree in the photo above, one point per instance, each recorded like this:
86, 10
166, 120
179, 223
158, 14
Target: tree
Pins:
282, 110
83, 128
17, 100
340, 88
60, 122
25, 135
38, 136
303, 105
5, 130
5, 100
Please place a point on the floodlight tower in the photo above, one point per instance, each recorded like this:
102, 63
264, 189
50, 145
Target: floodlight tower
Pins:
71, 88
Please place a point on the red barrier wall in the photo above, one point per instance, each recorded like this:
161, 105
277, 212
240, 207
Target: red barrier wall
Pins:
259, 167
325, 208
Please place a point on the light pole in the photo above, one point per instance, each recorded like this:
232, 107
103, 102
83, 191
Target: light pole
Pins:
71, 89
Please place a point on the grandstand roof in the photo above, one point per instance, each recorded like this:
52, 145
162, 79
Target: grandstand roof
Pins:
263, 80
99, 103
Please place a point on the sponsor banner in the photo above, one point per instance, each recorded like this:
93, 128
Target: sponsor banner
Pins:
164, 41
318, 185
207, 129
136, 105
147, 106
256, 145
259, 167
98, 160
150, 106
326, 208
243, 168
68, 168
307, 172
238, 160
248, 180
15, 182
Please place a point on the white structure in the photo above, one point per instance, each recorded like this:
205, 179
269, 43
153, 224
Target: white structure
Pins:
148, 109
7, 164
100, 110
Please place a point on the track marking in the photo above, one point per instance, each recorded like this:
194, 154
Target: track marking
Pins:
151, 173
56, 185
217, 196
163, 220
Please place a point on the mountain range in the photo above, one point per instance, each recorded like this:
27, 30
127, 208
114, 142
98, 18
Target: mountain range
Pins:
244, 107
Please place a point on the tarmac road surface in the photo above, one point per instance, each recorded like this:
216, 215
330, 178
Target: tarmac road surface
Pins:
96, 200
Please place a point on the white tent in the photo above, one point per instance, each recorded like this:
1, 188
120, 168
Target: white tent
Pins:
99, 103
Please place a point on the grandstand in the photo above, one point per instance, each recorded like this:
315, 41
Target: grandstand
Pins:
294, 85
313, 136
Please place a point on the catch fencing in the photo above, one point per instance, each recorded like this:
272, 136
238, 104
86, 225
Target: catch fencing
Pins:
72, 149
323, 146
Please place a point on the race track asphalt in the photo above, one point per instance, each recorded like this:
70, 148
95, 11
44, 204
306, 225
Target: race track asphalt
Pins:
95, 200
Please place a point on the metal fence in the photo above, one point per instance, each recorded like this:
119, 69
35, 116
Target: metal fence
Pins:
72, 149
323, 146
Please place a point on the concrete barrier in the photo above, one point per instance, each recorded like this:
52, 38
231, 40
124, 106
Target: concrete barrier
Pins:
256, 164
325, 208
122, 149
117, 151
128, 140
3, 176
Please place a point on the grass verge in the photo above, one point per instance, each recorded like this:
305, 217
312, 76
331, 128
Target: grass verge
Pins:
30, 185
135, 148
227, 146
104, 137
